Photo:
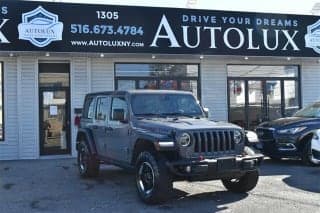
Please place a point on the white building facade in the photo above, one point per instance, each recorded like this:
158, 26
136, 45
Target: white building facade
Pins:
244, 71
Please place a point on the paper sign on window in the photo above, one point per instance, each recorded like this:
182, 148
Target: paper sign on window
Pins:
53, 110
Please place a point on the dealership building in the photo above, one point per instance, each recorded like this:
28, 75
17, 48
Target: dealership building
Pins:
245, 67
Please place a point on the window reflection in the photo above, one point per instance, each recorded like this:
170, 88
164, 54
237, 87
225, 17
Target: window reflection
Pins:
53, 79
156, 70
168, 84
189, 85
291, 95
148, 84
158, 76
237, 102
262, 71
126, 84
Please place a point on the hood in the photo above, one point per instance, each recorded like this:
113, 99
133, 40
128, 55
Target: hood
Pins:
290, 121
166, 125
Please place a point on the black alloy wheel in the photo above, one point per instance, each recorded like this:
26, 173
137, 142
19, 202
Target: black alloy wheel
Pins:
88, 165
153, 180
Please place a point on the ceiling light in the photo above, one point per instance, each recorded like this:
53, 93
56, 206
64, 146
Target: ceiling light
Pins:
101, 55
288, 58
11, 54
201, 57
246, 58
153, 56
47, 54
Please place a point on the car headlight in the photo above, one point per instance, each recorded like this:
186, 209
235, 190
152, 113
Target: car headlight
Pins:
237, 136
185, 139
292, 130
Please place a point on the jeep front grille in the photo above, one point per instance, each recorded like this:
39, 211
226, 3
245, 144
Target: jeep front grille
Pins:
211, 142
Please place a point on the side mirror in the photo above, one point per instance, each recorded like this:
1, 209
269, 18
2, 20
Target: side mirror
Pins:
206, 112
118, 115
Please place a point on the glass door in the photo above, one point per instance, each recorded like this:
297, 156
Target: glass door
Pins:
260, 93
54, 121
253, 101
237, 101
256, 103
291, 97
273, 99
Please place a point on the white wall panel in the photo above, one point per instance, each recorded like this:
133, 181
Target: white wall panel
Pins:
214, 88
28, 108
9, 147
102, 75
80, 86
310, 82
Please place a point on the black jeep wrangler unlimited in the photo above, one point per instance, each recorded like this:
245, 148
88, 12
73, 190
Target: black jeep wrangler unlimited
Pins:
164, 136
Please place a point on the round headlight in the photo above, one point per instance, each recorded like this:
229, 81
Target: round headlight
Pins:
185, 139
237, 137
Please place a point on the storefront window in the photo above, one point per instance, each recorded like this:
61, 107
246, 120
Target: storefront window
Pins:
189, 85
158, 76
126, 84
291, 96
263, 71
157, 70
147, 84
262, 93
237, 102
1, 103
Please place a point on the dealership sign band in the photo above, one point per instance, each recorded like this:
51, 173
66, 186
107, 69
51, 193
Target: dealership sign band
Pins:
65, 27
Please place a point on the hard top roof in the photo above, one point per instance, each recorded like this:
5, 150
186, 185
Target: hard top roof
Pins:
141, 91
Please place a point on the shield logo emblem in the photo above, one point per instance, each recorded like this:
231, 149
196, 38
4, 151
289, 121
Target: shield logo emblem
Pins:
312, 38
40, 27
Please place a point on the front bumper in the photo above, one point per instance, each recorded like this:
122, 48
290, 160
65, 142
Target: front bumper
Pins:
280, 147
218, 168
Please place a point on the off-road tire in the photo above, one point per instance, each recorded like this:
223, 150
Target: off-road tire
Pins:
149, 163
88, 165
243, 184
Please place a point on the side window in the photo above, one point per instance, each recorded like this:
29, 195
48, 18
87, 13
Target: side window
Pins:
119, 106
89, 108
103, 104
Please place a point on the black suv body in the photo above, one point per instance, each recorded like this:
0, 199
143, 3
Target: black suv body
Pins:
164, 136
296, 136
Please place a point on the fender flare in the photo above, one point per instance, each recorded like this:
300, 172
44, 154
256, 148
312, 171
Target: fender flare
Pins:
89, 140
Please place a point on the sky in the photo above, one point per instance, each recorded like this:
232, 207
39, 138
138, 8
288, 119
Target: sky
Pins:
270, 6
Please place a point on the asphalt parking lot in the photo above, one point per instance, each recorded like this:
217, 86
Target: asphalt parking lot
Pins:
54, 186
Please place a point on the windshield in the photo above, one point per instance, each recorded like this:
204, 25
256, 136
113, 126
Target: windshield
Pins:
165, 105
312, 110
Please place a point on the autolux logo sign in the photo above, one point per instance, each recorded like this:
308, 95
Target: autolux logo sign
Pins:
244, 37
312, 37
58, 27
40, 27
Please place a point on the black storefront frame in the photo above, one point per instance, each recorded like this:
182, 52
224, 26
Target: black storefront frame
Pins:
264, 79
157, 78
2, 99
67, 89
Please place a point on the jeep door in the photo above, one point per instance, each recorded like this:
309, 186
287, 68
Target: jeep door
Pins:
99, 127
118, 127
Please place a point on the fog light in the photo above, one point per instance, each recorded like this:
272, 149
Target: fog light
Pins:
287, 147
188, 169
